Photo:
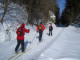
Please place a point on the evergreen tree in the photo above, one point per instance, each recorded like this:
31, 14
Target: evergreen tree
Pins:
71, 11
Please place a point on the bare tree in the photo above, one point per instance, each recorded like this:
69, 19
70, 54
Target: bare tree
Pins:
5, 10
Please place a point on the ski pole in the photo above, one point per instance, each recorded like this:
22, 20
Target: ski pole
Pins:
34, 37
32, 41
28, 36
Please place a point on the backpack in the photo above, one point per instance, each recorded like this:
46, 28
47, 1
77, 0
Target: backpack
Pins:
40, 26
19, 32
50, 27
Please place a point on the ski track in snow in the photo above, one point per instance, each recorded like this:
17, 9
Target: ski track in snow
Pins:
66, 47
7, 48
34, 53
49, 43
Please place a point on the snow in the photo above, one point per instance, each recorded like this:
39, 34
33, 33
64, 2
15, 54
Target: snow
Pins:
14, 16
66, 47
64, 44
52, 15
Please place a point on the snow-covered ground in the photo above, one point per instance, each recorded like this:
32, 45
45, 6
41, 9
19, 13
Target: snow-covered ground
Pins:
64, 44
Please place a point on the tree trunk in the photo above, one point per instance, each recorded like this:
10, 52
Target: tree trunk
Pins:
5, 9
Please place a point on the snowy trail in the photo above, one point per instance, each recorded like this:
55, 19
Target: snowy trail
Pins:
65, 43
34, 53
66, 47
36, 56
7, 48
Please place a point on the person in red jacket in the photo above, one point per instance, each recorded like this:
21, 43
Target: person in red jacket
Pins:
20, 36
50, 29
40, 28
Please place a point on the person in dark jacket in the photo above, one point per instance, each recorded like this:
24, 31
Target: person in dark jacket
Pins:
40, 28
50, 29
20, 38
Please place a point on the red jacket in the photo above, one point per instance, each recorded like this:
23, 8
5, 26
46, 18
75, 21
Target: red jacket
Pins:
23, 32
43, 27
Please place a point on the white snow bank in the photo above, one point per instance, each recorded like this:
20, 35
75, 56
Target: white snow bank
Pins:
15, 15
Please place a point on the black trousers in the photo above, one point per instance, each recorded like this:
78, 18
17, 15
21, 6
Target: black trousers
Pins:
40, 35
50, 32
18, 44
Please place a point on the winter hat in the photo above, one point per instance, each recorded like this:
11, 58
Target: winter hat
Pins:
40, 22
22, 25
50, 24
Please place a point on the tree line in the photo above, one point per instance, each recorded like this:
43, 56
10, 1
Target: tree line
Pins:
71, 13
38, 10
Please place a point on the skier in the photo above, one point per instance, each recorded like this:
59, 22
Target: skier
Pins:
40, 28
50, 29
20, 37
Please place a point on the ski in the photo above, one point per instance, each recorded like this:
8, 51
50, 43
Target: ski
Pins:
14, 55
24, 52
